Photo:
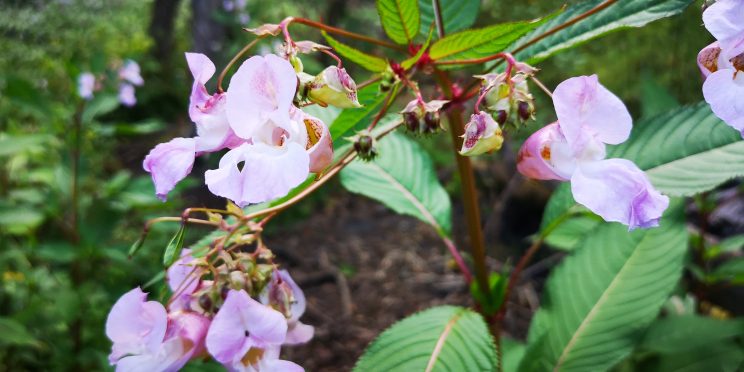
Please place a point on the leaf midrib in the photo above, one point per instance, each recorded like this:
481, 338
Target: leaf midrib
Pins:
402, 20
441, 341
473, 46
408, 195
592, 313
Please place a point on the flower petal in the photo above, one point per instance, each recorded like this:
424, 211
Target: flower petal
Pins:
261, 90
268, 172
264, 323
535, 158
169, 163
724, 90
226, 338
278, 365
126, 95
135, 325
168, 358
618, 191
86, 85
183, 277
191, 328
583, 104
725, 20
299, 333
130, 72
319, 143
202, 70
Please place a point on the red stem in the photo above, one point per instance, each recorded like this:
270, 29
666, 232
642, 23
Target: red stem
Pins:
342, 32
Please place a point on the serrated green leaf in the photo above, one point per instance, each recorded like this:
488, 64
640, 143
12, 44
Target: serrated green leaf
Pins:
445, 338
600, 300
353, 118
622, 14
402, 177
679, 334
366, 61
567, 235
175, 246
400, 19
457, 15
685, 151
479, 42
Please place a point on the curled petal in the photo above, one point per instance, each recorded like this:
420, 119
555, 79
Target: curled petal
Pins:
307, 46
212, 128
278, 365
265, 30
260, 92
169, 163
202, 70
535, 158
618, 191
135, 326
482, 134
724, 90
267, 172
708, 58
583, 104
725, 20
191, 329
319, 143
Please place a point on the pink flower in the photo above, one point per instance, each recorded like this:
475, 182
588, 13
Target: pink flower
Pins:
130, 72
482, 134
261, 93
285, 295
278, 159
208, 111
126, 95
334, 86
246, 335
725, 20
184, 278
146, 338
169, 163
573, 149
86, 85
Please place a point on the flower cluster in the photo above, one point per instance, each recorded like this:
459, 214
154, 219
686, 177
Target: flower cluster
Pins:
272, 143
216, 317
722, 63
573, 149
128, 76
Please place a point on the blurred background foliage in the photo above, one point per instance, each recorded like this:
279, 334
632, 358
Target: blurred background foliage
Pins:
63, 254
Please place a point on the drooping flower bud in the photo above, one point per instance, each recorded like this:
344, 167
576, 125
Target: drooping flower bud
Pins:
422, 117
482, 134
334, 87
265, 30
388, 78
364, 145
508, 97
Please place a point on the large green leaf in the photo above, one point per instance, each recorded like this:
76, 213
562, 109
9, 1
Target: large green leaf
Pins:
680, 334
366, 61
599, 301
402, 177
400, 19
457, 15
625, 13
685, 151
445, 338
355, 118
479, 42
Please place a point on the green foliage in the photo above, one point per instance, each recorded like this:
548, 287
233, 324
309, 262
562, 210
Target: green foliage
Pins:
480, 42
445, 338
627, 13
599, 301
568, 234
366, 61
400, 19
13, 333
679, 334
174, 247
685, 151
351, 120
402, 177
457, 15
496, 288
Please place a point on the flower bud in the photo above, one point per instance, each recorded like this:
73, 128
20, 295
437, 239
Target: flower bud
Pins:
422, 117
281, 297
364, 145
334, 87
388, 78
482, 134
506, 96
525, 110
